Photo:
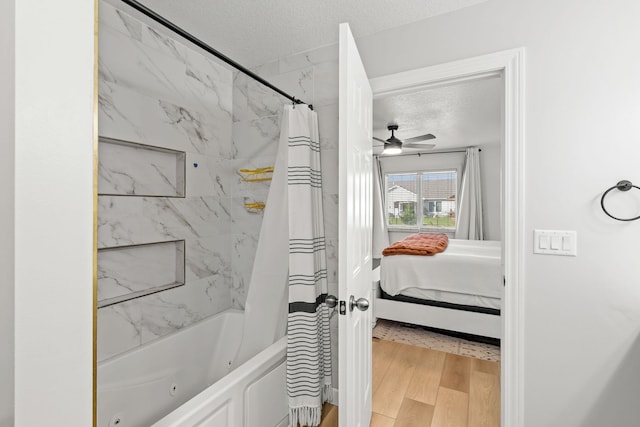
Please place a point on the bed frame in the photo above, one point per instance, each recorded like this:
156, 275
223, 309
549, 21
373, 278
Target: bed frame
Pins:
446, 318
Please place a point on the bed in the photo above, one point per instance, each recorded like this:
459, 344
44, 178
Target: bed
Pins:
459, 289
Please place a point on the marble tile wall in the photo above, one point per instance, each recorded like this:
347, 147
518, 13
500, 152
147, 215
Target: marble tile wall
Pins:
134, 169
144, 268
257, 113
156, 91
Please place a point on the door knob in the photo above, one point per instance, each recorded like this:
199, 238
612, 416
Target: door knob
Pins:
331, 301
361, 303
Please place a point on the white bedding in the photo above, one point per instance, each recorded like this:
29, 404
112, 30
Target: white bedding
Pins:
470, 267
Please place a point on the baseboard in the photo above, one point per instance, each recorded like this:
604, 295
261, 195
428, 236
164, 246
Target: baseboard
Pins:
333, 398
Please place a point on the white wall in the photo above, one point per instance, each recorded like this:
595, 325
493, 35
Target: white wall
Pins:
7, 129
582, 319
54, 103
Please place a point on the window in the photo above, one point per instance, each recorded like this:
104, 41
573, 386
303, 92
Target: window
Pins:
425, 199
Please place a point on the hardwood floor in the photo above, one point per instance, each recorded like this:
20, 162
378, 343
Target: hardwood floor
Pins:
419, 387
329, 416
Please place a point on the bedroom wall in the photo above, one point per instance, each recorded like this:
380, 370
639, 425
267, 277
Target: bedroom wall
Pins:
7, 150
491, 201
582, 314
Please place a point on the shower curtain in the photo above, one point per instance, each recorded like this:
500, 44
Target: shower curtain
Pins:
308, 340
265, 310
469, 224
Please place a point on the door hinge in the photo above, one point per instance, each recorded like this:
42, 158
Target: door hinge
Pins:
343, 307
504, 281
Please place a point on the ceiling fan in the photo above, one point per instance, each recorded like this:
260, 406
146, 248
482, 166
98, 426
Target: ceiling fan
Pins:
394, 145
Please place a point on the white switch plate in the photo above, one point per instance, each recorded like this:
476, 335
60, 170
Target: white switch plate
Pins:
555, 242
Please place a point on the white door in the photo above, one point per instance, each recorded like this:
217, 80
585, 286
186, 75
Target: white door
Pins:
355, 201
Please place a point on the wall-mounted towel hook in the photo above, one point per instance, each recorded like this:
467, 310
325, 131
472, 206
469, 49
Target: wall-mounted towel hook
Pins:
623, 185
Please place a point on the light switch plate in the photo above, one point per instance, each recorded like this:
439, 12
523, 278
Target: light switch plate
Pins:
555, 242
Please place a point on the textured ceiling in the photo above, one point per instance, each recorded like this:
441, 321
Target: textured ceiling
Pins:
254, 32
460, 115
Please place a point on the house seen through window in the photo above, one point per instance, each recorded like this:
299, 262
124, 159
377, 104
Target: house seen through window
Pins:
422, 199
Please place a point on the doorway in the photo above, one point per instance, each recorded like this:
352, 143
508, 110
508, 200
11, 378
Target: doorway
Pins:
509, 65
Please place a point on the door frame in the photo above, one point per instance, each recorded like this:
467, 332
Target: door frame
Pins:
509, 63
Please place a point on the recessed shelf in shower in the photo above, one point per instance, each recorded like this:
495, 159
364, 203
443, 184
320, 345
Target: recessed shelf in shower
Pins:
128, 168
133, 271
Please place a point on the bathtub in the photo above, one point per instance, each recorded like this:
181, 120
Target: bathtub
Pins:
184, 380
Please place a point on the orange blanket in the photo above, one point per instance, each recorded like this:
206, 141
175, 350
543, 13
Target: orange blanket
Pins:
418, 244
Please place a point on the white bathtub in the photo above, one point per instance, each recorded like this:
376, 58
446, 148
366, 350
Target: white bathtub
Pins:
160, 379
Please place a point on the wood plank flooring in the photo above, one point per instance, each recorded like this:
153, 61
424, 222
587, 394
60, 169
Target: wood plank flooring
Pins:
419, 387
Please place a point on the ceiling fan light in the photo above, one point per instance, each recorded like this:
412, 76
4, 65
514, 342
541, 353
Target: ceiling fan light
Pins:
392, 147
392, 150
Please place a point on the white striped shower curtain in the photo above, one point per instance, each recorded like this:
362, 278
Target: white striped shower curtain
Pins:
308, 340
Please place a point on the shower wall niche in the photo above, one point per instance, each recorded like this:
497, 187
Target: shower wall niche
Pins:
165, 204
134, 271
132, 169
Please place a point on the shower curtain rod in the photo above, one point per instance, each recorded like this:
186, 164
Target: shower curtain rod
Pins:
462, 150
188, 36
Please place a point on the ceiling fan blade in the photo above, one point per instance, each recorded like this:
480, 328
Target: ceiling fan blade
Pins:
381, 140
417, 145
425, 137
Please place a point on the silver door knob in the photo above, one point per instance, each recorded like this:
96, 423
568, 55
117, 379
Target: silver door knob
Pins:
361, 303
331, 301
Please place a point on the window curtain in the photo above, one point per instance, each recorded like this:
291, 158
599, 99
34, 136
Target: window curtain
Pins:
469, 224
380, 233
